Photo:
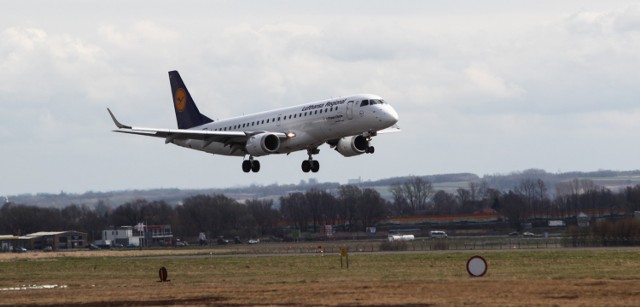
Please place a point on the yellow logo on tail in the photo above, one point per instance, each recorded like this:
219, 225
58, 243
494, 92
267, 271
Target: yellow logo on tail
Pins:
180, 99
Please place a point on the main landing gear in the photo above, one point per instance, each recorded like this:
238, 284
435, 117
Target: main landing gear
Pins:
251, 165
310, 164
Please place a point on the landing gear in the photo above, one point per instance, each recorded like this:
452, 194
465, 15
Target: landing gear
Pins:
369, 150
310, 164
250, 165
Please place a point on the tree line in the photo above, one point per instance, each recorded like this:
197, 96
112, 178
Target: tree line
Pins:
348, 207
529, 201
215, 215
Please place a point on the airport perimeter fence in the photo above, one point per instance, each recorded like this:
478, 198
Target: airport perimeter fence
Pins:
418, 245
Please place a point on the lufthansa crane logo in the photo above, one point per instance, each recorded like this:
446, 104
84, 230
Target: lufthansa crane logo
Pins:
180, 99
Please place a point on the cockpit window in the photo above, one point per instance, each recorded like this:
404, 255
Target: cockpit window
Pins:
364, 103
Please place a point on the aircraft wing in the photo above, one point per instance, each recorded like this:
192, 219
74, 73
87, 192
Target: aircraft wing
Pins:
226, 137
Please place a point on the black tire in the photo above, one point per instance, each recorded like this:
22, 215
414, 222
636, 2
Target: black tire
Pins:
246, 166
315, 166
306, 166
255, 166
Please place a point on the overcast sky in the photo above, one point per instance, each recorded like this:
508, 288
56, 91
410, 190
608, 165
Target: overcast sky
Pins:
480, 86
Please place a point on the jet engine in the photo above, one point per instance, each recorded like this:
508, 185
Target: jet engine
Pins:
263, 144
353, 145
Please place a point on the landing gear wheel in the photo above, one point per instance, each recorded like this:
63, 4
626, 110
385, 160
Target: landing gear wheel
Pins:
246, 166
315, 166
306, 166
370, 150
255, 166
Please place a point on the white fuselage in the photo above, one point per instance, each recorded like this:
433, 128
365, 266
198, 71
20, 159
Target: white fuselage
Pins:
307, 126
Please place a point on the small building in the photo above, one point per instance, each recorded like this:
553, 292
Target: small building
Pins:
583, 220
159, 234
140, 235
556, 223
123, 235
6, 242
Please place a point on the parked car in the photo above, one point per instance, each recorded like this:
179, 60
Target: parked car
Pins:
47, 249
254, 241
514, 234
528, 234
437, 234
19, 250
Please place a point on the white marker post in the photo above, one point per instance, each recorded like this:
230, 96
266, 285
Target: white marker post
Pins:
476, 266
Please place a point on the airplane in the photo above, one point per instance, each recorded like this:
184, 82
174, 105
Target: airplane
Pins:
346, 124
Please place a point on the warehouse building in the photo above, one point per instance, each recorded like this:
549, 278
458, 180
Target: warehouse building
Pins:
55, 240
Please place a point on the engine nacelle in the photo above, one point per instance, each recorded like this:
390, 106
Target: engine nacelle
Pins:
352, 145
263, 144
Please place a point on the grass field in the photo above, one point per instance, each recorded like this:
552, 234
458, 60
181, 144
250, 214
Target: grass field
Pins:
562, 277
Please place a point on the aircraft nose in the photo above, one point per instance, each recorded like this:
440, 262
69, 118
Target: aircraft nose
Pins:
392, 115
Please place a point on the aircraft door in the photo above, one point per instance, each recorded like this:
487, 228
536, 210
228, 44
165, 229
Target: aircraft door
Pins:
278, 122
350, 110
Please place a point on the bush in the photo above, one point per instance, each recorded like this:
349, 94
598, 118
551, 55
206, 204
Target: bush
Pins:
440, 245
605, 233
393, 246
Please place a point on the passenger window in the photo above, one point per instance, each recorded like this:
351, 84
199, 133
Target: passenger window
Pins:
289, 116
294, 115
316, 112
305, 113
364, 103
320, 111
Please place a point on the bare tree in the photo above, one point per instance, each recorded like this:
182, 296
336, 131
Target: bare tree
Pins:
444, 203
415, 191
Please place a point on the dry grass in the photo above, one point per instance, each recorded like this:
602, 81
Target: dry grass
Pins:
529, 278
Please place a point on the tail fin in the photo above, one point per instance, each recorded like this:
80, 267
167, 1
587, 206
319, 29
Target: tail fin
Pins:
187, 113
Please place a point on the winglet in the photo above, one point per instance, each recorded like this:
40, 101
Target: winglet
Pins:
115, 121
